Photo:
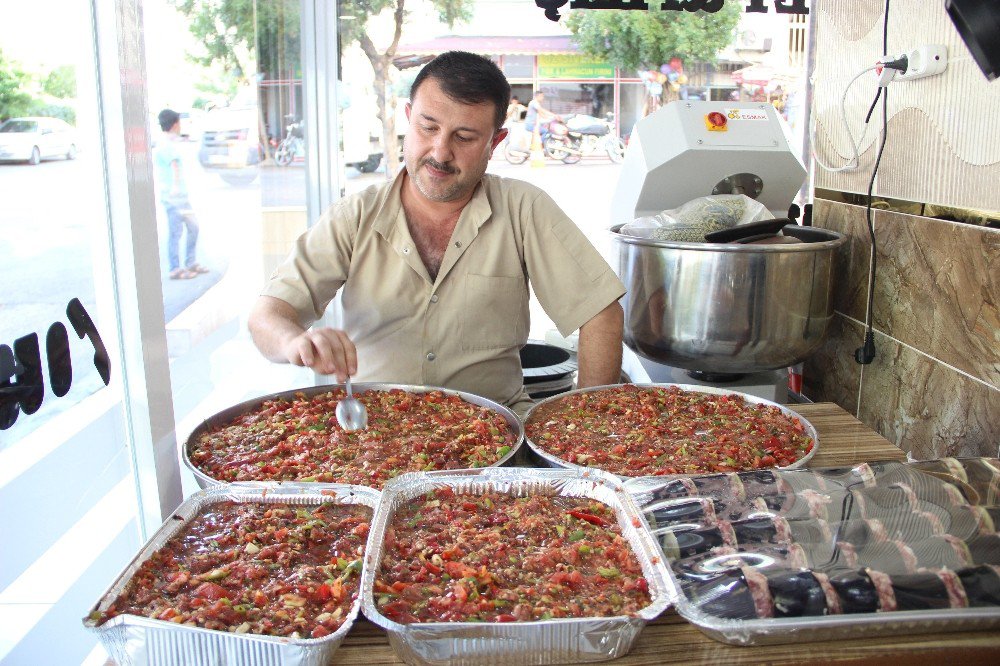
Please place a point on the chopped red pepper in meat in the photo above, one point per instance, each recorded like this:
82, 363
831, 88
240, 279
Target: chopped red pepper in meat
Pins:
654, 430
300, 439
447, 559
271, 569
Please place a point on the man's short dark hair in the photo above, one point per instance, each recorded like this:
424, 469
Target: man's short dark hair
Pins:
469, 79
167, 119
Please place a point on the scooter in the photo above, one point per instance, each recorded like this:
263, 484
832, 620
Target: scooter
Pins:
517, 145
583, 135
292, 146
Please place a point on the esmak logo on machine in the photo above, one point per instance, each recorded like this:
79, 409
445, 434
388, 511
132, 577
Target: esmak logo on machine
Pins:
746, 114
716, 121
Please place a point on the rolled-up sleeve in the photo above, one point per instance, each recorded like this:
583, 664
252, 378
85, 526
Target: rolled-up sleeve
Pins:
571, 279
318, 264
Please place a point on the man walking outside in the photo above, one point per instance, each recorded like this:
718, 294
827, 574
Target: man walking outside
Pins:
174, 195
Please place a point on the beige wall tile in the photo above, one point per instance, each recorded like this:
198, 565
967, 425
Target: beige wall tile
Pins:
927, 408
921, 164
943, 142
861, 18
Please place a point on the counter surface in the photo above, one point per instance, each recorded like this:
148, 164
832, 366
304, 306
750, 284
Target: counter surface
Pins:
670, 639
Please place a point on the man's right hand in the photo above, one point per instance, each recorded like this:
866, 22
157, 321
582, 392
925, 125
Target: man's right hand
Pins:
328, 351
276, 331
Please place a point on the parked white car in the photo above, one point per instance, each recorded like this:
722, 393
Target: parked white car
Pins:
230, 143
33, 139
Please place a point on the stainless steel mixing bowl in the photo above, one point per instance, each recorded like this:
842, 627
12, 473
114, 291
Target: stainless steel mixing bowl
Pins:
728, 308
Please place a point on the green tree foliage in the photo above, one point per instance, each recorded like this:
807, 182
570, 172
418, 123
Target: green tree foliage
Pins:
14, 100
233, 32
637, 40
61, 82
247, 39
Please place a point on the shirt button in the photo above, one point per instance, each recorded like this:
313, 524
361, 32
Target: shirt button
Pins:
458, 243
406, 250
431, 356
434, 298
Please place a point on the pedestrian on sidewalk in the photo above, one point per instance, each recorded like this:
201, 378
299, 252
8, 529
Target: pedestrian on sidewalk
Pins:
174, 196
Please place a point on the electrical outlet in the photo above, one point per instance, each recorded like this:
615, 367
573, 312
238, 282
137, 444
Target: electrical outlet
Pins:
923, 61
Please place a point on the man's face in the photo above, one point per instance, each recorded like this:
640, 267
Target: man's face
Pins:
449, 144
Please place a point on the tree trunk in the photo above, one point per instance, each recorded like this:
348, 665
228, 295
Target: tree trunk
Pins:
381, 62
387, 110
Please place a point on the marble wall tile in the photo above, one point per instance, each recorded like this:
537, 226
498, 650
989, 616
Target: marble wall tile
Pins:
926, 408
851, 264
938, 290
831, 375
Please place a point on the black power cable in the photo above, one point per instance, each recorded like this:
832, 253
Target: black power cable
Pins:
865, 354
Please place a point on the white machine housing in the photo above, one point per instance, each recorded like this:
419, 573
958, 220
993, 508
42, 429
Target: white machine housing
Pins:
673, 157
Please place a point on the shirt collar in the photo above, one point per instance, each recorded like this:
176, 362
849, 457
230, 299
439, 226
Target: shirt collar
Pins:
477, 211
390, 207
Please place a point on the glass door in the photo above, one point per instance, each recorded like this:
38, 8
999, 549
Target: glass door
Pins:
241, 154
77, 493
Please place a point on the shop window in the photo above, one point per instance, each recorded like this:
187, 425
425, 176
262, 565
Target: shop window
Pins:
731, 94
71, 516
518, 66
631, 104
592, 99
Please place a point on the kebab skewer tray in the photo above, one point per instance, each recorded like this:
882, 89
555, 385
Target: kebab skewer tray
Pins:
775, 556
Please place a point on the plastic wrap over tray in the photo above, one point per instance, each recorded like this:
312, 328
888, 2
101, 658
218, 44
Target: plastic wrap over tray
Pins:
777, 556
132, 640
565, 640
230, 413
978, 475
548, 459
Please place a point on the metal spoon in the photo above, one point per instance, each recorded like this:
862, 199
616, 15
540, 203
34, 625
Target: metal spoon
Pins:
351, 414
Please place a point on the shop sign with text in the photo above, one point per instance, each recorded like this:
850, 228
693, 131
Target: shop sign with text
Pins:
573, 67
552, 7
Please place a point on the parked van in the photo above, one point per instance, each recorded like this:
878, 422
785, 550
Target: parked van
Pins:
230, 139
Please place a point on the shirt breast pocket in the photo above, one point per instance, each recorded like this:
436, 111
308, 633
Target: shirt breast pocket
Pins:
495, 312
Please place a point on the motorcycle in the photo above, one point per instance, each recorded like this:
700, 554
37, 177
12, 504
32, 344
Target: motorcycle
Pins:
292, 146
516, 145
580, 135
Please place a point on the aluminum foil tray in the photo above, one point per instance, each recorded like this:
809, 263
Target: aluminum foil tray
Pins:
545, 458
566, 640
135, 640
230, 413
854, 492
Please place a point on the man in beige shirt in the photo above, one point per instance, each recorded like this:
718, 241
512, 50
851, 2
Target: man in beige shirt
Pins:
434, 267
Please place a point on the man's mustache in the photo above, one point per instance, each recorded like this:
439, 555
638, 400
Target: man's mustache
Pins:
439, 166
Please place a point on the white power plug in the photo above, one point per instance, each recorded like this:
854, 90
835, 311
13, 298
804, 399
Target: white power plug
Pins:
885, 75
926, 60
